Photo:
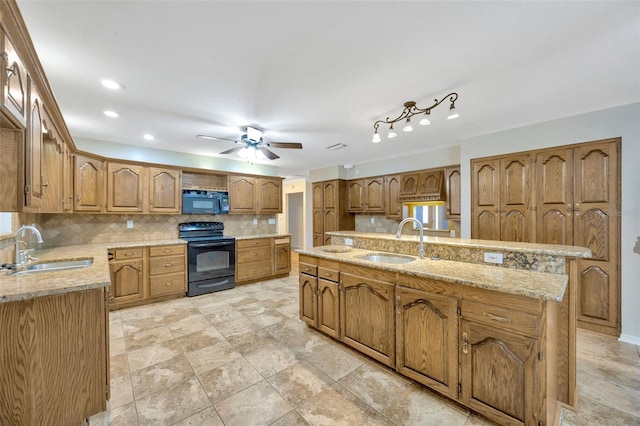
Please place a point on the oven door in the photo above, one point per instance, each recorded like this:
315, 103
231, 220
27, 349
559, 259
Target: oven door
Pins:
211, 259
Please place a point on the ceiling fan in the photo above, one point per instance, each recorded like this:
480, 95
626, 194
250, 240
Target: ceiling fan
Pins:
252, 145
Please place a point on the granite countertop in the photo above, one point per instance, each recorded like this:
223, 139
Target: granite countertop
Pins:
251, 237
549, 249
537, 285
38, 284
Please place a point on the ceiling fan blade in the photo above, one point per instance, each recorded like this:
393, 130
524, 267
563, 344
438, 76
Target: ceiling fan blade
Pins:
216, 138
270, 155
289, 145
232, 150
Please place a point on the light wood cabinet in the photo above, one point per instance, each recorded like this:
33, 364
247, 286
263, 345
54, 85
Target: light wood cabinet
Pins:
422, 185
55, 360
33, 184
427, 334
320, 294
281, 256
52, 159
308, 288
167, 270
165, 195
332, 215
67, 179
126, 267
262, 258
452, 182
11, 142
250, 195
392, 205
125, 188
366, 195
269, 195
14, 84
355, 196
367, 312
88, 184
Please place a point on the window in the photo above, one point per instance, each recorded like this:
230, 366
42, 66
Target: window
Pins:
5, 224
431, 215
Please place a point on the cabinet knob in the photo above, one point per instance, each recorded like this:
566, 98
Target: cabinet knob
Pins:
168, 284
168, 265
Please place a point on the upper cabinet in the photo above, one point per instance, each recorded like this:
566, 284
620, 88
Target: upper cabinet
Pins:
165, 195
33, 184
125, 187
251, 195
425, 185
14, 83
393, 206
88, 175
452, 182
366, 195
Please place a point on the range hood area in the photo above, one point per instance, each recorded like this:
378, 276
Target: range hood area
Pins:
426, 185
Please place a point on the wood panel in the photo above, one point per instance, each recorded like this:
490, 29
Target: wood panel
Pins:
125, 187
127, 281
88, 184
282, 258
356, 196
10, 145
453, 185
554, 196
317, 198
485, 199
242, 194
33, 150
308, 302
14, 83
165, 195
331, 194
52, 176
269, 195
393, 207
515, 198
328, 312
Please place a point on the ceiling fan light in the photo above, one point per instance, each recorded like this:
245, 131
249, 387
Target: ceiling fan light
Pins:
453, 113
407, 127
254, 134
243, 153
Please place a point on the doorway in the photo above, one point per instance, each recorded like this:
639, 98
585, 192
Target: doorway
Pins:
296, 219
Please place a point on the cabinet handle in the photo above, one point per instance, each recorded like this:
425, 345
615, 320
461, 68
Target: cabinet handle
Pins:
465, 343
569, 209
128, 254
577, 209
495, 317
170, 283
167, 251
44, 185
168, 265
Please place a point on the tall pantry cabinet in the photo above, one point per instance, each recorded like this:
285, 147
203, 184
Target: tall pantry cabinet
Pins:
574, 200
330, 210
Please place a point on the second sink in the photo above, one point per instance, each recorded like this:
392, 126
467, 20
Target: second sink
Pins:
387, 258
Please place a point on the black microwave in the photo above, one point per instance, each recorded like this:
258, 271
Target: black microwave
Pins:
204, 202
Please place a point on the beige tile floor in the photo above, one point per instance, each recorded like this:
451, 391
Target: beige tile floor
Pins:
242, 357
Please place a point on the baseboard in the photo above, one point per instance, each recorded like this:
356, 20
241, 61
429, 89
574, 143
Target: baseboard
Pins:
627, 338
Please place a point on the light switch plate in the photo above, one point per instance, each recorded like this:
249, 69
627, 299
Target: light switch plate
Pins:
129, 224
255, 221
348, 241
373, 219
492, 257
272, 221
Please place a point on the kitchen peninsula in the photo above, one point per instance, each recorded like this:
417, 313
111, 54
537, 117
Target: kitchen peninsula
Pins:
497, 338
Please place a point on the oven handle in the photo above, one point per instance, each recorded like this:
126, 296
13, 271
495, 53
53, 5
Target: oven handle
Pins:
226, 243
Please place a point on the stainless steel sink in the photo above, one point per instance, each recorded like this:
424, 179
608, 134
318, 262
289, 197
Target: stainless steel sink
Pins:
387, 258
56, 266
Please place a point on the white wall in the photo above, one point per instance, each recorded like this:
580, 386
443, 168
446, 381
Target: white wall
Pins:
621, 122
292, 186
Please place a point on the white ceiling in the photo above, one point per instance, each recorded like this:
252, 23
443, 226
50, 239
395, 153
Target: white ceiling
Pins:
322, 72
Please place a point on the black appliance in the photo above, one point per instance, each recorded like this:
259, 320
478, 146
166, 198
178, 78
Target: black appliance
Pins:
204, 202
211, 257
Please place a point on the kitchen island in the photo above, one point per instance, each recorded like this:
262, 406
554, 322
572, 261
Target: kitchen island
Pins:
497, 338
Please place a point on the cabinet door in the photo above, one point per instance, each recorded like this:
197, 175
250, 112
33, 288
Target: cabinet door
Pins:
67, 179
330, 220
452, 176
164, 191
430, 181
33, 151
554, 196
308, 299
88, 184
14, 83
269, 195
11, 142
52, 159
328, 308
125, 187
367, 317
515, 198
318, 227
374, 195
427, 339
499, 374
330, 194
596, 226
242, 194
355, 196
282, 258
127, 282
485, 199
316, 189
409, 184
393, 207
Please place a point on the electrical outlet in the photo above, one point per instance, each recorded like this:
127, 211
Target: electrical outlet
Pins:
452, 233
492, 257
348, 242
373, 219
129, 224
255, 221
272, 221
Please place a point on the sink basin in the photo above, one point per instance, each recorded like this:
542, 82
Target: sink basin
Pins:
56, 266
387, 258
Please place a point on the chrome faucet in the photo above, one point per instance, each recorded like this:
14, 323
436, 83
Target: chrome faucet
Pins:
20, 257
421, 246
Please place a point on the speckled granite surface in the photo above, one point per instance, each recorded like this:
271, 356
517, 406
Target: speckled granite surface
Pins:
251, 237
538, 285
531, 257
28, 286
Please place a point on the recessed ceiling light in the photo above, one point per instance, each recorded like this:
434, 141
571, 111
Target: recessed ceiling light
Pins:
112, 84
148, 137
111, 114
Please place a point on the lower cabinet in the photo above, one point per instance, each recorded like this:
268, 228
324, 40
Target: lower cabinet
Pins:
491, 351
262, 258
142, 275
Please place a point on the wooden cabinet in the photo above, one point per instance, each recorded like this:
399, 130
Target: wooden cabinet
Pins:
423, 185
269, 195
427, 333
250, 195
320, 295
55, 360
281, 255
262, 258
33, 184
392, 204
332, 215
125, 188
52, 163
126, 266
167, 270
14, 84
366, 195
308, 290
88, 186
452, 183
67, 179
367, 312
501, 198
11, 143
165, 195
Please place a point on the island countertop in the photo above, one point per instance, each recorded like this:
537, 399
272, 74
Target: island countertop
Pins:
28, 286
538, 285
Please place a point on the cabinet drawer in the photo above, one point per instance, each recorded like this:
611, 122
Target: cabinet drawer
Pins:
328, 274
128, 253
284, 240
254, 254
508, 319
254, 270
260, 242
306, 268
166, 284
166, 265
166, 250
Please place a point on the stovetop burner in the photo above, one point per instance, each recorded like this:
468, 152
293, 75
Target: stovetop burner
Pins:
200, 231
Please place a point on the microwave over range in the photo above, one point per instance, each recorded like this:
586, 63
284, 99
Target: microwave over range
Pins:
204, 202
